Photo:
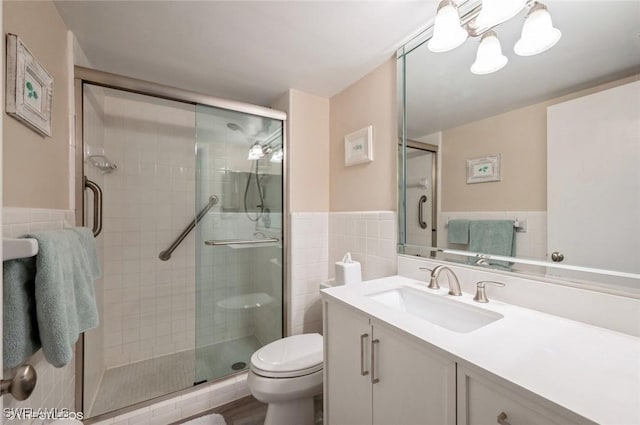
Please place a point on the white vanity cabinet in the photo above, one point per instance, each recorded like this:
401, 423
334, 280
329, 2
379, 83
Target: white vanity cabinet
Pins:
483, 400
375, 375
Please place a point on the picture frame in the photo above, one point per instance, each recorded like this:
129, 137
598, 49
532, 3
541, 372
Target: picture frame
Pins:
358, 147
483, 169
29, 87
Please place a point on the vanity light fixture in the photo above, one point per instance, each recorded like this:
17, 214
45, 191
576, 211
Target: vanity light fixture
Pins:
538, 34
255, 152
489, 57
447, 31
277, 155
495, 12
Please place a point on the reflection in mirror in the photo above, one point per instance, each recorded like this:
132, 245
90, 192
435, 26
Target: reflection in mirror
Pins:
564, 126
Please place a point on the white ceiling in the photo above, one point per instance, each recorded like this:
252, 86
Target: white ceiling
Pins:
250, 51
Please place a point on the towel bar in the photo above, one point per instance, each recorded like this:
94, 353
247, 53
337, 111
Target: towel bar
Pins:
519, 225
19, 248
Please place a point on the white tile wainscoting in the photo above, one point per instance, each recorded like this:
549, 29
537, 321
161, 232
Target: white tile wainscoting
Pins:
319, 239
56, 386
309, 259
370, 237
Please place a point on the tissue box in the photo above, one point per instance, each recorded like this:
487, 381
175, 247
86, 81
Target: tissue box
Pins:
348, 271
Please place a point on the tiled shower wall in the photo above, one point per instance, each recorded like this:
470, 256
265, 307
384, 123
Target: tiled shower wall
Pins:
56, 386
148, 201
228, 271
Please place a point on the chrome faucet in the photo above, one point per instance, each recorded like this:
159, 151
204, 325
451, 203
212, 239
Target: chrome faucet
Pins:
454, 285
481, 294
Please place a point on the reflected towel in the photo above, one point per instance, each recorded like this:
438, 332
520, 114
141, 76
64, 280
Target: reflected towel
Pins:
20, 325
458, 231
63, 294
493, 237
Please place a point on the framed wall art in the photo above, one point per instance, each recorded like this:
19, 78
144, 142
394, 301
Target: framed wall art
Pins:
29, 87
358, 146
483, 169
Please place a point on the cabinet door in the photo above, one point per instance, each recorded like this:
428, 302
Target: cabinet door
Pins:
347, 386
416, 386
482, 401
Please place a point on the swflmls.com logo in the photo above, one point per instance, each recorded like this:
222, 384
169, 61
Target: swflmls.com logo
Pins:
56, 414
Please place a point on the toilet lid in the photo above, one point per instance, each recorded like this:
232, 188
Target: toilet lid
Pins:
292, 356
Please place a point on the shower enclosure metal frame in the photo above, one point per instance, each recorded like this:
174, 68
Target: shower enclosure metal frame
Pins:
84, 75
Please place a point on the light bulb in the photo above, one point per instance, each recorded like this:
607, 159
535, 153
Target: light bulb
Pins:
277, 155
489, 57
447, 32
255, 152
538, 34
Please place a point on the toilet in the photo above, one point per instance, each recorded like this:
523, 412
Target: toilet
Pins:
286, 374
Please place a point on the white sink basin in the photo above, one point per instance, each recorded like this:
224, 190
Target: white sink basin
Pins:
436, 309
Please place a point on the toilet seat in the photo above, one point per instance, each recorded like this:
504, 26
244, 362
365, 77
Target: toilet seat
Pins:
289, 357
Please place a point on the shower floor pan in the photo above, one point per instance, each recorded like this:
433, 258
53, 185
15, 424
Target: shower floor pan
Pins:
138, 382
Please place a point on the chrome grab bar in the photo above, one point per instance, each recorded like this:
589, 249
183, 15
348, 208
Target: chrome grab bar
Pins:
219, 242
166, 254
97, 205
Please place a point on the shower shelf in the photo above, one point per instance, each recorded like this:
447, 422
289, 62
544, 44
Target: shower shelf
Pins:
246, 301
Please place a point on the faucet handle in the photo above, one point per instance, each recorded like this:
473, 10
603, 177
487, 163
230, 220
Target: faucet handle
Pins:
433, 281
481, 294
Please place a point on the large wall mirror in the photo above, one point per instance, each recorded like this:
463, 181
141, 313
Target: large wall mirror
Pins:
548, 146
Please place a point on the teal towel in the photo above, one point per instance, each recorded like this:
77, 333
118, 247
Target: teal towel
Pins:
493, 237
20, 326
458, 231
65, 270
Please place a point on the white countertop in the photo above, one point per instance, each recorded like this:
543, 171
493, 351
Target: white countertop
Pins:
591, 371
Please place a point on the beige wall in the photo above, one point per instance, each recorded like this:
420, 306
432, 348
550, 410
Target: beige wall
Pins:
36, 168
308, 133
520, 137
369, 101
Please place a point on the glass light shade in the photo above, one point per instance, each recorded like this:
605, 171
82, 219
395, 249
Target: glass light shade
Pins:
489, 57
447, 32
277, 155
495, 12
538, 33
255, 152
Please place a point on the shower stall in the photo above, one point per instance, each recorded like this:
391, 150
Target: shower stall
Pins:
191, 207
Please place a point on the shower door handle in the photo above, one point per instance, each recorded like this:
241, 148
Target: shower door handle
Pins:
421, 202
97, 205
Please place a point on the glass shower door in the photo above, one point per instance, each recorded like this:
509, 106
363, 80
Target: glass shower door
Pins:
239, 251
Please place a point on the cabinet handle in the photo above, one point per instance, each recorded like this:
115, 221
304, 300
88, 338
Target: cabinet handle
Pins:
502, 419
363, 360
374, 380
